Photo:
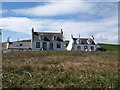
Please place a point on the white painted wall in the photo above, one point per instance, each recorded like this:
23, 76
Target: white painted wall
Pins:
70, 45
48, 45
83, 49
34, 46
62, 46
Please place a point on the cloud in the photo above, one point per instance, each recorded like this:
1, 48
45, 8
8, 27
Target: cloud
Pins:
19, 24
56, 0
3, 11
104, 30
0, 11
83, 10
56, 8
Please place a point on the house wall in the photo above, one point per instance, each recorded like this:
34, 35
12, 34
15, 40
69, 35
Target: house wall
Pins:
70, 44
75, 47
34, 46
48, 46
62, 46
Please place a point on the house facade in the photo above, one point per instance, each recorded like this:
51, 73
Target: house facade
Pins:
47, 40
16, 46
82, 44
51, 41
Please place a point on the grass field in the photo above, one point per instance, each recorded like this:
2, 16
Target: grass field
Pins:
61, 69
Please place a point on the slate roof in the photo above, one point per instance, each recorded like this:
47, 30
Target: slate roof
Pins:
47, 36
19, 45
83, 40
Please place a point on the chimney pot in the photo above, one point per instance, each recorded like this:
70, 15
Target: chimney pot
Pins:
32, 29
61, 31
92, 37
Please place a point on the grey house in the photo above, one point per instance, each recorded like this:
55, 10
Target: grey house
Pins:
19, 45
47, 40
15, 46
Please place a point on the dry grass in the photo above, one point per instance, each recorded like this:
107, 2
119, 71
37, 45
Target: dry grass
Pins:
60, 69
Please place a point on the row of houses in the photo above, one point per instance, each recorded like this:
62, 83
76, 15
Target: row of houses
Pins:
52, 41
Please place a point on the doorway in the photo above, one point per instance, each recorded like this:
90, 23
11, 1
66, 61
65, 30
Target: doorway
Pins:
51, 46
44, 45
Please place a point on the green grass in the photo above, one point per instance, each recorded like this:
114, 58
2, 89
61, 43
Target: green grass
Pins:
25, 41
61, 69
110, 47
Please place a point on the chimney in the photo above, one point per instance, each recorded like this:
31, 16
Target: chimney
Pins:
0, 31
71, 36
92, 37
8, 42
61, 31
0, 39
62, 34
18, 39
0, 35
79, 38
8, 39
32, 34
32, 30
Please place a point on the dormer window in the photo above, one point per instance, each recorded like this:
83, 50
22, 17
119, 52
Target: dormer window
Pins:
89, 41
78, 41
54, 37
42, 36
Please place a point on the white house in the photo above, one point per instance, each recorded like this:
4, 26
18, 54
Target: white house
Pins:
82, 44
47, 40
51, 41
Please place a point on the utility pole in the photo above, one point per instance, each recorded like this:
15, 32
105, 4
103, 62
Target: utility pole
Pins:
0, 39
0, 54
0, 35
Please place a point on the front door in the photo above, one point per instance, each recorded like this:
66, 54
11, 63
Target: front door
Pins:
44, 45
51, 46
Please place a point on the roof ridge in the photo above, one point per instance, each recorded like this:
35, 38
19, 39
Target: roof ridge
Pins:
48, 32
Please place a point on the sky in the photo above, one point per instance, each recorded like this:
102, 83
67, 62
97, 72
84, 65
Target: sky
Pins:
87, 18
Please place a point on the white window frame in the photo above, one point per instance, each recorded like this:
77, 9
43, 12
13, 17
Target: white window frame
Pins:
41, 35
58, 44
78, 48
54, 37
93, 48
36, 45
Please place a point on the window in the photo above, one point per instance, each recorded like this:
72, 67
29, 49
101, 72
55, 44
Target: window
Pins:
20, 44
79, 47
37, 44
42, 36
78, 41
92, 47
58, 45
89, 41
85, 47
82, 43
93, 42
54, 37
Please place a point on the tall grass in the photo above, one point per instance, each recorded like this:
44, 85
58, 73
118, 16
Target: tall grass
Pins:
60, 69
